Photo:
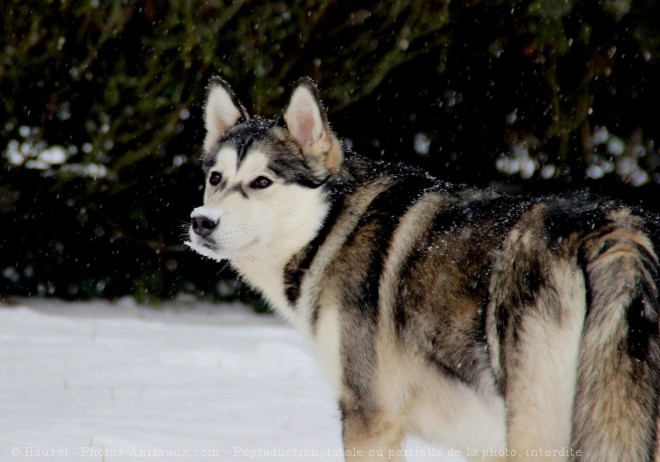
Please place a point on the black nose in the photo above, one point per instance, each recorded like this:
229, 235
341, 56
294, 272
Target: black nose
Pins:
203, 226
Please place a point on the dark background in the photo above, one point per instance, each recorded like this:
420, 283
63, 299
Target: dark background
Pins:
101, 104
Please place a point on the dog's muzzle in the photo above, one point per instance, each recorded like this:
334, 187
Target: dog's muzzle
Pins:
203, 224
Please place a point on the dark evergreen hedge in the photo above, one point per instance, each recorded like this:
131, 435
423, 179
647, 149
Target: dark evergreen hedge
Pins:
101, 103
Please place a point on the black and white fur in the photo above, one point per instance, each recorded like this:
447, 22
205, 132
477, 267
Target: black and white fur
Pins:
503, 324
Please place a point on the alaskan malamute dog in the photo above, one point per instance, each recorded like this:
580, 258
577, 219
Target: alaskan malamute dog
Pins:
509, 328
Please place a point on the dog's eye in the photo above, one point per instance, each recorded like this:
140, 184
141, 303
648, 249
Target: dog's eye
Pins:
215, 178
261, 182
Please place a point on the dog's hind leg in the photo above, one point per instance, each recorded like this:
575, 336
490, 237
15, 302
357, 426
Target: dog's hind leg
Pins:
616, 405
534, 326
540, 308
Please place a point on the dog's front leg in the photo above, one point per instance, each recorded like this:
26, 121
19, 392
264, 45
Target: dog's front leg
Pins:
371, 435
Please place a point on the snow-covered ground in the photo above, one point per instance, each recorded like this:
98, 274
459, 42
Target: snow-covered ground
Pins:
117, 382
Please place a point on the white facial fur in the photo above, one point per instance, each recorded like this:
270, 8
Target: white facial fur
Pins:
269, 224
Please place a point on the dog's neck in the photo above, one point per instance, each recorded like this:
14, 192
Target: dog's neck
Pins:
267, 277
265, 270
264, 275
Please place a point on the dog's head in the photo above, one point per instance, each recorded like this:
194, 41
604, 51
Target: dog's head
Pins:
264, 178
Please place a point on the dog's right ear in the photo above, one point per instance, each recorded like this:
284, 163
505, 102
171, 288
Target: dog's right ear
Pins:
307, 122
222, 111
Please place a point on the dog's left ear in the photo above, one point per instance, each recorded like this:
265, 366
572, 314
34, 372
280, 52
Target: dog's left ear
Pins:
222, 111
308, 124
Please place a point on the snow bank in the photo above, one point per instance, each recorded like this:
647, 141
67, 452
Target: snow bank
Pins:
114, 382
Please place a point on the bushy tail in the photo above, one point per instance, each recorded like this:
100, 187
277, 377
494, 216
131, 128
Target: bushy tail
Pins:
616, 402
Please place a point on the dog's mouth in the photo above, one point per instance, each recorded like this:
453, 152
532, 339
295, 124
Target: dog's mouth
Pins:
204, 246
209, 248
207, 242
